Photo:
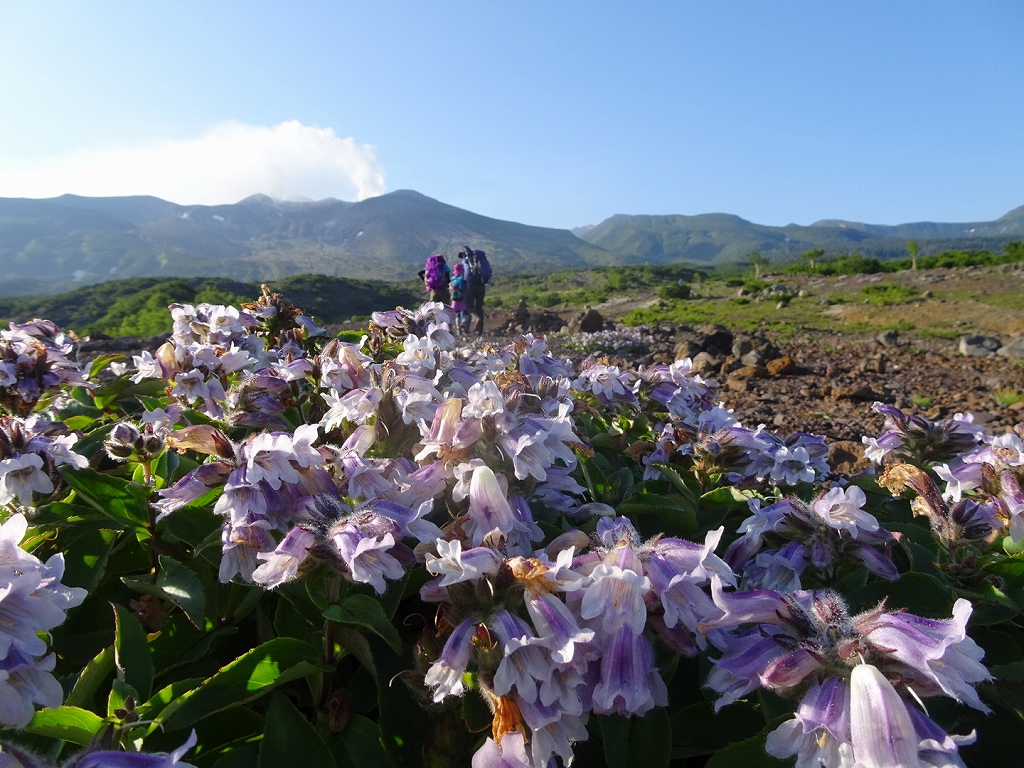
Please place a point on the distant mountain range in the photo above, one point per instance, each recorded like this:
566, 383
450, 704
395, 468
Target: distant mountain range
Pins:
53, 245
719, 238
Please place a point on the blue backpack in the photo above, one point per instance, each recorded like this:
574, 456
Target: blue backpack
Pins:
479, 268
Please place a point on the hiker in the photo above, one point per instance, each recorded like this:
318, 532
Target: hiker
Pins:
458, 287
436, 278
478, 274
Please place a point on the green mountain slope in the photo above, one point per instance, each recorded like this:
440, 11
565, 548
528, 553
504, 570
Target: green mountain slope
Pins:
48, 246
719, 238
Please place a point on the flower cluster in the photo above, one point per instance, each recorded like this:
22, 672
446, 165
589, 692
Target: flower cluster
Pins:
553, 533
32, 601
832, 530
854, 675
557, 635
620, 341
30, 451
916, 439
33, 361
717, 445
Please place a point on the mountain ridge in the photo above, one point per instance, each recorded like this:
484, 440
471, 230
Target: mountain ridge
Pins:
57, 244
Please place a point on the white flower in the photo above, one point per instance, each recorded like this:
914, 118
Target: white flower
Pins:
842, 509
485, 399
20, 476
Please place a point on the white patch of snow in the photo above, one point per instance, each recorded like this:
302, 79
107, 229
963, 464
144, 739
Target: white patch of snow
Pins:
218, 218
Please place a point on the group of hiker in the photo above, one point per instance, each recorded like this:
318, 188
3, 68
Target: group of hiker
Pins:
462, 286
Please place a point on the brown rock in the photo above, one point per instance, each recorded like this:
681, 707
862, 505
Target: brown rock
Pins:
781, 366
751, 372
687, 348
853, 392
736, 385
847, 457
704, 363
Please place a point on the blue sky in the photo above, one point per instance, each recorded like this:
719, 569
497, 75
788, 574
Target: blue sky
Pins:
550, 113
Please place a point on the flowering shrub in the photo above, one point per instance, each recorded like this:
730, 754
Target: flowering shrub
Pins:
257, 544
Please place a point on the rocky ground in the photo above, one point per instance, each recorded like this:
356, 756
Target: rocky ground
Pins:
816, 381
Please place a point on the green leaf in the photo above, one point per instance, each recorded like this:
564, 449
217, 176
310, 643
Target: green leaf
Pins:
177, 584
289, 739
85, 557
921, 593
131, 652
636, 741
101, 362
677, 516
120, 500
1011, 571
615, 737
748, 753
1014, 671
716, 505
250, 676
152, 708
92, 676
364, 611
362, 741
597, 483
1010, 548
650, 739
699, 730
78, 726
684, 482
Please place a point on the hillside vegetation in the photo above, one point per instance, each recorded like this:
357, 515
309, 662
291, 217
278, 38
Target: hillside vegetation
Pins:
138, 306
950, 293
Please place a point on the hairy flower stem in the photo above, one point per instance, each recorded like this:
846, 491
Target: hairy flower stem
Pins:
154, 559
331, 591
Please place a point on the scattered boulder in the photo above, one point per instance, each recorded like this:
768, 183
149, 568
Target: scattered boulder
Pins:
852, 392
705, 363
751, 372
781, 366
1014, 349
979, 346
873, 364
546, 321
716, 339
890, 338
589, 321
687, 348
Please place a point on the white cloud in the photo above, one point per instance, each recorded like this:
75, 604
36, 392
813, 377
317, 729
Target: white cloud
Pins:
230, 162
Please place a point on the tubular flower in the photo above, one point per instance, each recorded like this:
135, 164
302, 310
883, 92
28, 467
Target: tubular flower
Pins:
846, 669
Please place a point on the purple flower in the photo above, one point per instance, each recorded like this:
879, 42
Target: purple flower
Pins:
629, 681
367, 558
819, 734
524, 662
453, 565
111, 759
881, 731
510, 752
445, 673
284, 562
937, 655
